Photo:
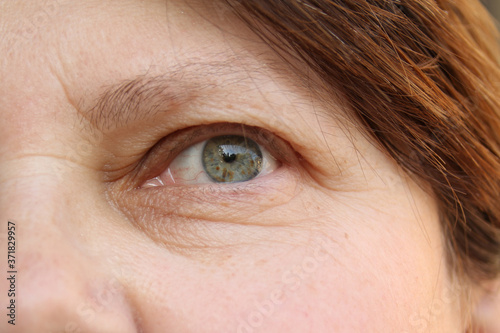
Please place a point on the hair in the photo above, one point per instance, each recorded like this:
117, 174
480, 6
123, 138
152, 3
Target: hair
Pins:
423, 79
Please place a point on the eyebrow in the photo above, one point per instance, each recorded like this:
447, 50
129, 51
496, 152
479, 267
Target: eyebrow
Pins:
133, 100
145, 96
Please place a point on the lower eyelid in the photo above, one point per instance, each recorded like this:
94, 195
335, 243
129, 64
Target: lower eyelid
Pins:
212, 202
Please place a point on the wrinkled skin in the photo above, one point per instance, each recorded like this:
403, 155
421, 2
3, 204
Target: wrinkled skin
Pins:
335, 239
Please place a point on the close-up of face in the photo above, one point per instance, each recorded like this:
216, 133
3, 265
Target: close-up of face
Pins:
165, 169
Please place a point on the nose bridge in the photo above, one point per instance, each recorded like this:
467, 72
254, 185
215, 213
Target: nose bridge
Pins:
60, 288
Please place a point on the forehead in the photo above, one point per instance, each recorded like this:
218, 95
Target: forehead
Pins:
82, 43
63, 55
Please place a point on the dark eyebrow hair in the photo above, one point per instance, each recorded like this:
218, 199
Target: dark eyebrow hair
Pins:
134, 99
147, 95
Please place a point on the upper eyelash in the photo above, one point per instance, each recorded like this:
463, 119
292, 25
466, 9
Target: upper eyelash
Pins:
157, 159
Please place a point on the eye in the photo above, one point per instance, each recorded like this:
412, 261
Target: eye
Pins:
220, 159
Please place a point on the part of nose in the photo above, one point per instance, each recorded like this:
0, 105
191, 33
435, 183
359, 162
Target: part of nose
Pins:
58, 282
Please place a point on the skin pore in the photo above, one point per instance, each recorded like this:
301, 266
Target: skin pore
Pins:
98, 97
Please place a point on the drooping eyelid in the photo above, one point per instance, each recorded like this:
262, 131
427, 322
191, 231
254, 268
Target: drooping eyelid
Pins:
167, 149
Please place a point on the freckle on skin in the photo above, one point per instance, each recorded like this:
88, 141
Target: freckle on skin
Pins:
262, 262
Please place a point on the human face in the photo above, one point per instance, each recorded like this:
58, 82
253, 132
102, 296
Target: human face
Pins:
98, 98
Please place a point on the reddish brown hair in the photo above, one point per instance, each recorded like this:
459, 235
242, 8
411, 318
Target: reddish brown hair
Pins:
423, 78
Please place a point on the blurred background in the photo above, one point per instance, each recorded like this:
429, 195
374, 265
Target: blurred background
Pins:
494, 7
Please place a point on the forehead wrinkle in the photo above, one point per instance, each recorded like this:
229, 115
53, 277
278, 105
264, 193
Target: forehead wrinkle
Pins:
147, 95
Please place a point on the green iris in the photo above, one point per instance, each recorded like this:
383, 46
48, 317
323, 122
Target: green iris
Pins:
231, 159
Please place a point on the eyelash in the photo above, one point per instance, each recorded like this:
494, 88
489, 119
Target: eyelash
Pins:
158, 159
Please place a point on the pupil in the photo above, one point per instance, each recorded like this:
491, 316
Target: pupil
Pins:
228, 158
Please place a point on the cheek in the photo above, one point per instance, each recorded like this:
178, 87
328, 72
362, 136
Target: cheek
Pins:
339, 287
354, 268
326, 285
374, 279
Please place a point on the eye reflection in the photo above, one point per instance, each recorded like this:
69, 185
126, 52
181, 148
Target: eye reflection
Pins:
231, 159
